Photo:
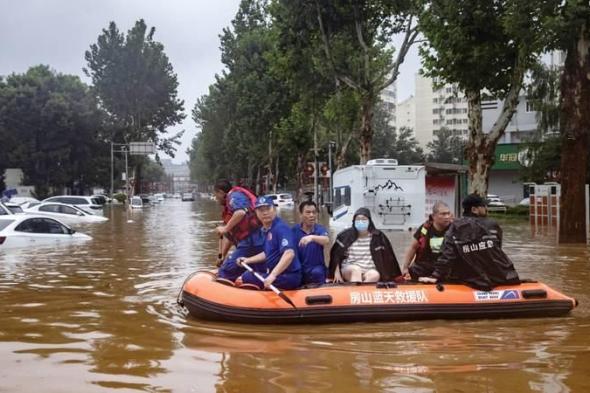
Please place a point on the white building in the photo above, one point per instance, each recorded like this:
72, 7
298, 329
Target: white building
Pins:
436, 108
389, 100
522, 125
406, 114
180, 176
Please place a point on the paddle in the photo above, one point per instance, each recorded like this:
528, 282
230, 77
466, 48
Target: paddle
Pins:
272, 287
220, 252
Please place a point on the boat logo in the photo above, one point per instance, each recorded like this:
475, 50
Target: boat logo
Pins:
482, 296
511, 294
388, 297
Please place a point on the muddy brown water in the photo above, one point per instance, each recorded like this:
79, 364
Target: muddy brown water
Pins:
102, 316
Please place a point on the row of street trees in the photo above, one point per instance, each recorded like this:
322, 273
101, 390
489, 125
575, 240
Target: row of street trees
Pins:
301, 73
59, 129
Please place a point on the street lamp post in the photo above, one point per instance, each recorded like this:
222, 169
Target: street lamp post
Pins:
126, 172
331, 144
134, 148
112, 170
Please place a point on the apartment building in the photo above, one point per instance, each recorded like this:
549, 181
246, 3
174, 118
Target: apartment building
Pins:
389, 101
438, 107
405, 114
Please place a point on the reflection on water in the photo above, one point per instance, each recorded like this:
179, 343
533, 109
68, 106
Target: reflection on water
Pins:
102, 315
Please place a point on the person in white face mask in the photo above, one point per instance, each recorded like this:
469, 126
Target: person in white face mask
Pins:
362, 253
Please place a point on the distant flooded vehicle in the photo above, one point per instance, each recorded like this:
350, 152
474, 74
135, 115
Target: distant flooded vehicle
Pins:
86, 203
21, 200
67, 213
136, 203
25, 231
280, 200
10, 208
495, 203
187, 196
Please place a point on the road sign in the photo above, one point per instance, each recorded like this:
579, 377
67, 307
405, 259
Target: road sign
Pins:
141, 148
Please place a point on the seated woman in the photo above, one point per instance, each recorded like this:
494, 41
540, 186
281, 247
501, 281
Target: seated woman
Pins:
363, 253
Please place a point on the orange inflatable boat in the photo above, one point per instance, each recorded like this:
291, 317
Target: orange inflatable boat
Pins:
206, 298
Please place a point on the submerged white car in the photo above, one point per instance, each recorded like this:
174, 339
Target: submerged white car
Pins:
496, 204
66, 213
89, 204
26, 231
136, 202
281, 200
9, 208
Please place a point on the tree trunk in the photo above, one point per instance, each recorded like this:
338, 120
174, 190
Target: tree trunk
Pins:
299, 176
574, 125
258, 189
479, 151
276, 176
366, 133
137, 177
341, 154
269, 166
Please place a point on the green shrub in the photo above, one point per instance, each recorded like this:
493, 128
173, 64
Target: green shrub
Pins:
120, 197
518, 210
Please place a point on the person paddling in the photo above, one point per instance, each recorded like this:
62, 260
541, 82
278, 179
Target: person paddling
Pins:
279, 258
240, 228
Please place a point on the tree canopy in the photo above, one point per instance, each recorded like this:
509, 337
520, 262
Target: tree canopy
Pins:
483, 47
52, 128
136, 85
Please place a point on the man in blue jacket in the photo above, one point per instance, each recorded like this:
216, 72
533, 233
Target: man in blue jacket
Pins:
311, 238
283, 269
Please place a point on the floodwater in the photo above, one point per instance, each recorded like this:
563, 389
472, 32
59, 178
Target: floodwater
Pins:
102, 316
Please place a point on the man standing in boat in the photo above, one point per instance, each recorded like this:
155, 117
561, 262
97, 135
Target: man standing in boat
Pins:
427, 243
240, 227
283, 269
473, 249
311, 238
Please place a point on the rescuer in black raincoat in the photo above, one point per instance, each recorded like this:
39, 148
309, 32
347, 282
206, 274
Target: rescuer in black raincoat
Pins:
473, 250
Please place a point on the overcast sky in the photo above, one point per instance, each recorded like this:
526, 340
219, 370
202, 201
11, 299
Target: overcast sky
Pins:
58, 32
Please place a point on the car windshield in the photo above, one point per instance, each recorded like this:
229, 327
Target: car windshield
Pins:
15, 209
285, 196
4, 223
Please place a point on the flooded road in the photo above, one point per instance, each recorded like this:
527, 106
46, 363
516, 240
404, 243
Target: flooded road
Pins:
102, 315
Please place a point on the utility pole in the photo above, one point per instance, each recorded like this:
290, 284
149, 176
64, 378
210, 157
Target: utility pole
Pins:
315, 164
126, 172
331, 144
112, 170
